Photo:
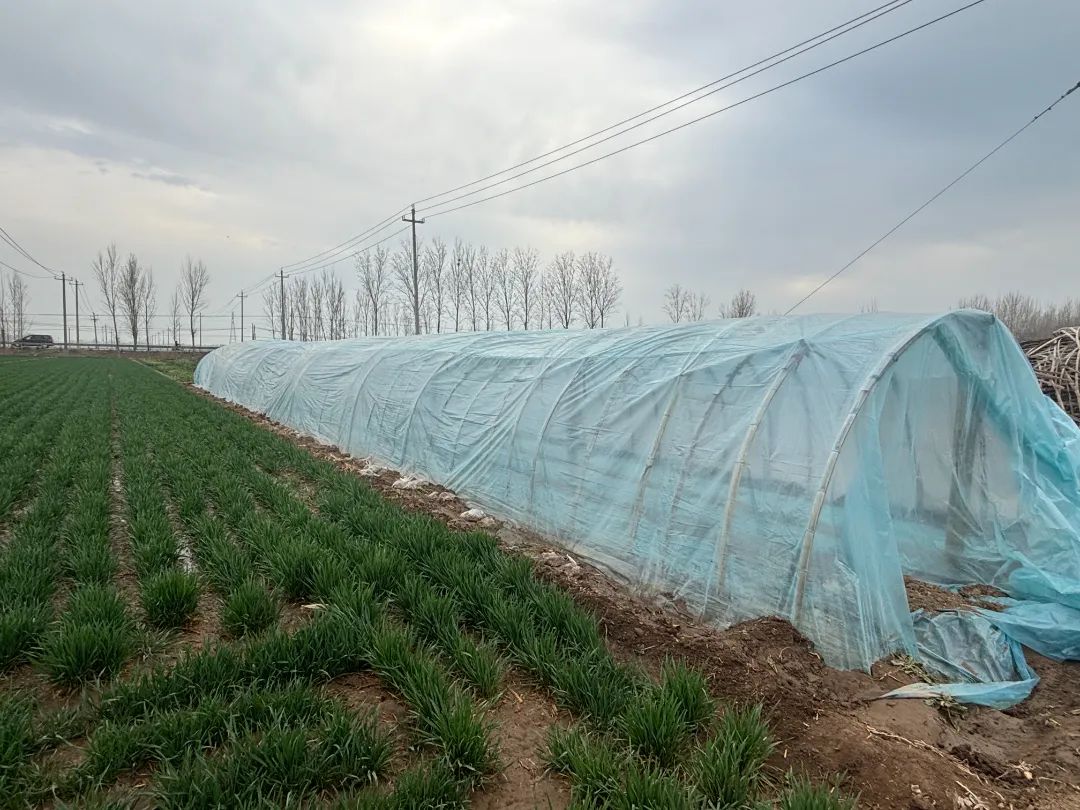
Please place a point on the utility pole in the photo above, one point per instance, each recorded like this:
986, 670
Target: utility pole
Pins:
232, 327
93, 317
415, 271
63, 288
74, 282
200, 329
241, 316
281, 272
253, 331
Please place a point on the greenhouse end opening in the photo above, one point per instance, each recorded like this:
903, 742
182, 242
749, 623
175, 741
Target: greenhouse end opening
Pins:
798, 467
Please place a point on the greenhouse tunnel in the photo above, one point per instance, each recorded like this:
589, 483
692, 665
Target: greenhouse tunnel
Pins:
790, 466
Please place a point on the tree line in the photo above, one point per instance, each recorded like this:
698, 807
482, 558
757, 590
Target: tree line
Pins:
682, 305
1025, 316
129, 295
458, 287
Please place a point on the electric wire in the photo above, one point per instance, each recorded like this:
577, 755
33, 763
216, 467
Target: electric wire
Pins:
887, 8
660, 115
824, 36
701, 118
932, 199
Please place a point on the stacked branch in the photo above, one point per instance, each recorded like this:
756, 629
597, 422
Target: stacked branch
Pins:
1056, 362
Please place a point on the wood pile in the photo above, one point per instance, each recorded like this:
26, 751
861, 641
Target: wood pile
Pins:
1057, 367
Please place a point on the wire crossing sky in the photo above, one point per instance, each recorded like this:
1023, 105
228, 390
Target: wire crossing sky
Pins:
249, 138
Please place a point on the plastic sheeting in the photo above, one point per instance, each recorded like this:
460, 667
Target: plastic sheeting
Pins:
976, 660
796, 467
1050, 629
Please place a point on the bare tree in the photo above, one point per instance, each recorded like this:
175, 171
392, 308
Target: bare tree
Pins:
526, 264
461, 267
149, 302
696, 306
129, 289
371, 267
598, 288
486, 282
174, 316
272, 308
505, 289
608, 290
413, 291
435, 274
106, 270
5, 336
675, 303
743, 305
563, 288
316, 291
476, 270
587, 286
361, 314
18, 300
300, 304
869, 306
337, 309
194, 279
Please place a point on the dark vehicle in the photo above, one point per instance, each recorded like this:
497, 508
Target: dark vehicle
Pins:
34, 342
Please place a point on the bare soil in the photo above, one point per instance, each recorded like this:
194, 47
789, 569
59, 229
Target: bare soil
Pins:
892, 753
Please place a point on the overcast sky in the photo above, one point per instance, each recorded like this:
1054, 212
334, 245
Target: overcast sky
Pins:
256, 134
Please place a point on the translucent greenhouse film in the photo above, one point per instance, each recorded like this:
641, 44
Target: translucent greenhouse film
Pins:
797, 467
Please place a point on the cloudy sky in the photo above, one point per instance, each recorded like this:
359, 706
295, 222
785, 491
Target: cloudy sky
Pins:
253, 135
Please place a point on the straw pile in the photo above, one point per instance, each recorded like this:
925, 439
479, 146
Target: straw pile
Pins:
1057, 366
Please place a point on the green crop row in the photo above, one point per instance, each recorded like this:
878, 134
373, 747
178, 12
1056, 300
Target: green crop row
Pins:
439, 617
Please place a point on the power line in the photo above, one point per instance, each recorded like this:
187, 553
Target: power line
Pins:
24, 273
684, 104
930, 201
701, 118
895, 4
786, 54
350, 255
7, 237
374, 229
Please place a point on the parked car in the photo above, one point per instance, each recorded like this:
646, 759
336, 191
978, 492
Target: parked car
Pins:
34, 342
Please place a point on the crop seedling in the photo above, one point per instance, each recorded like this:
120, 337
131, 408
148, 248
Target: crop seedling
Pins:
727, 770
249, 609
20, 628
293, 566
592, 765
169, 599
77, 653
687, 688
656, 727
91, 563
596, 686
650, 787
801, 794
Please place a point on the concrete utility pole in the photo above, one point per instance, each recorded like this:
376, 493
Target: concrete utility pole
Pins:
281, 273
74, 282
415, 271
63, 288
93, 317
241, 316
